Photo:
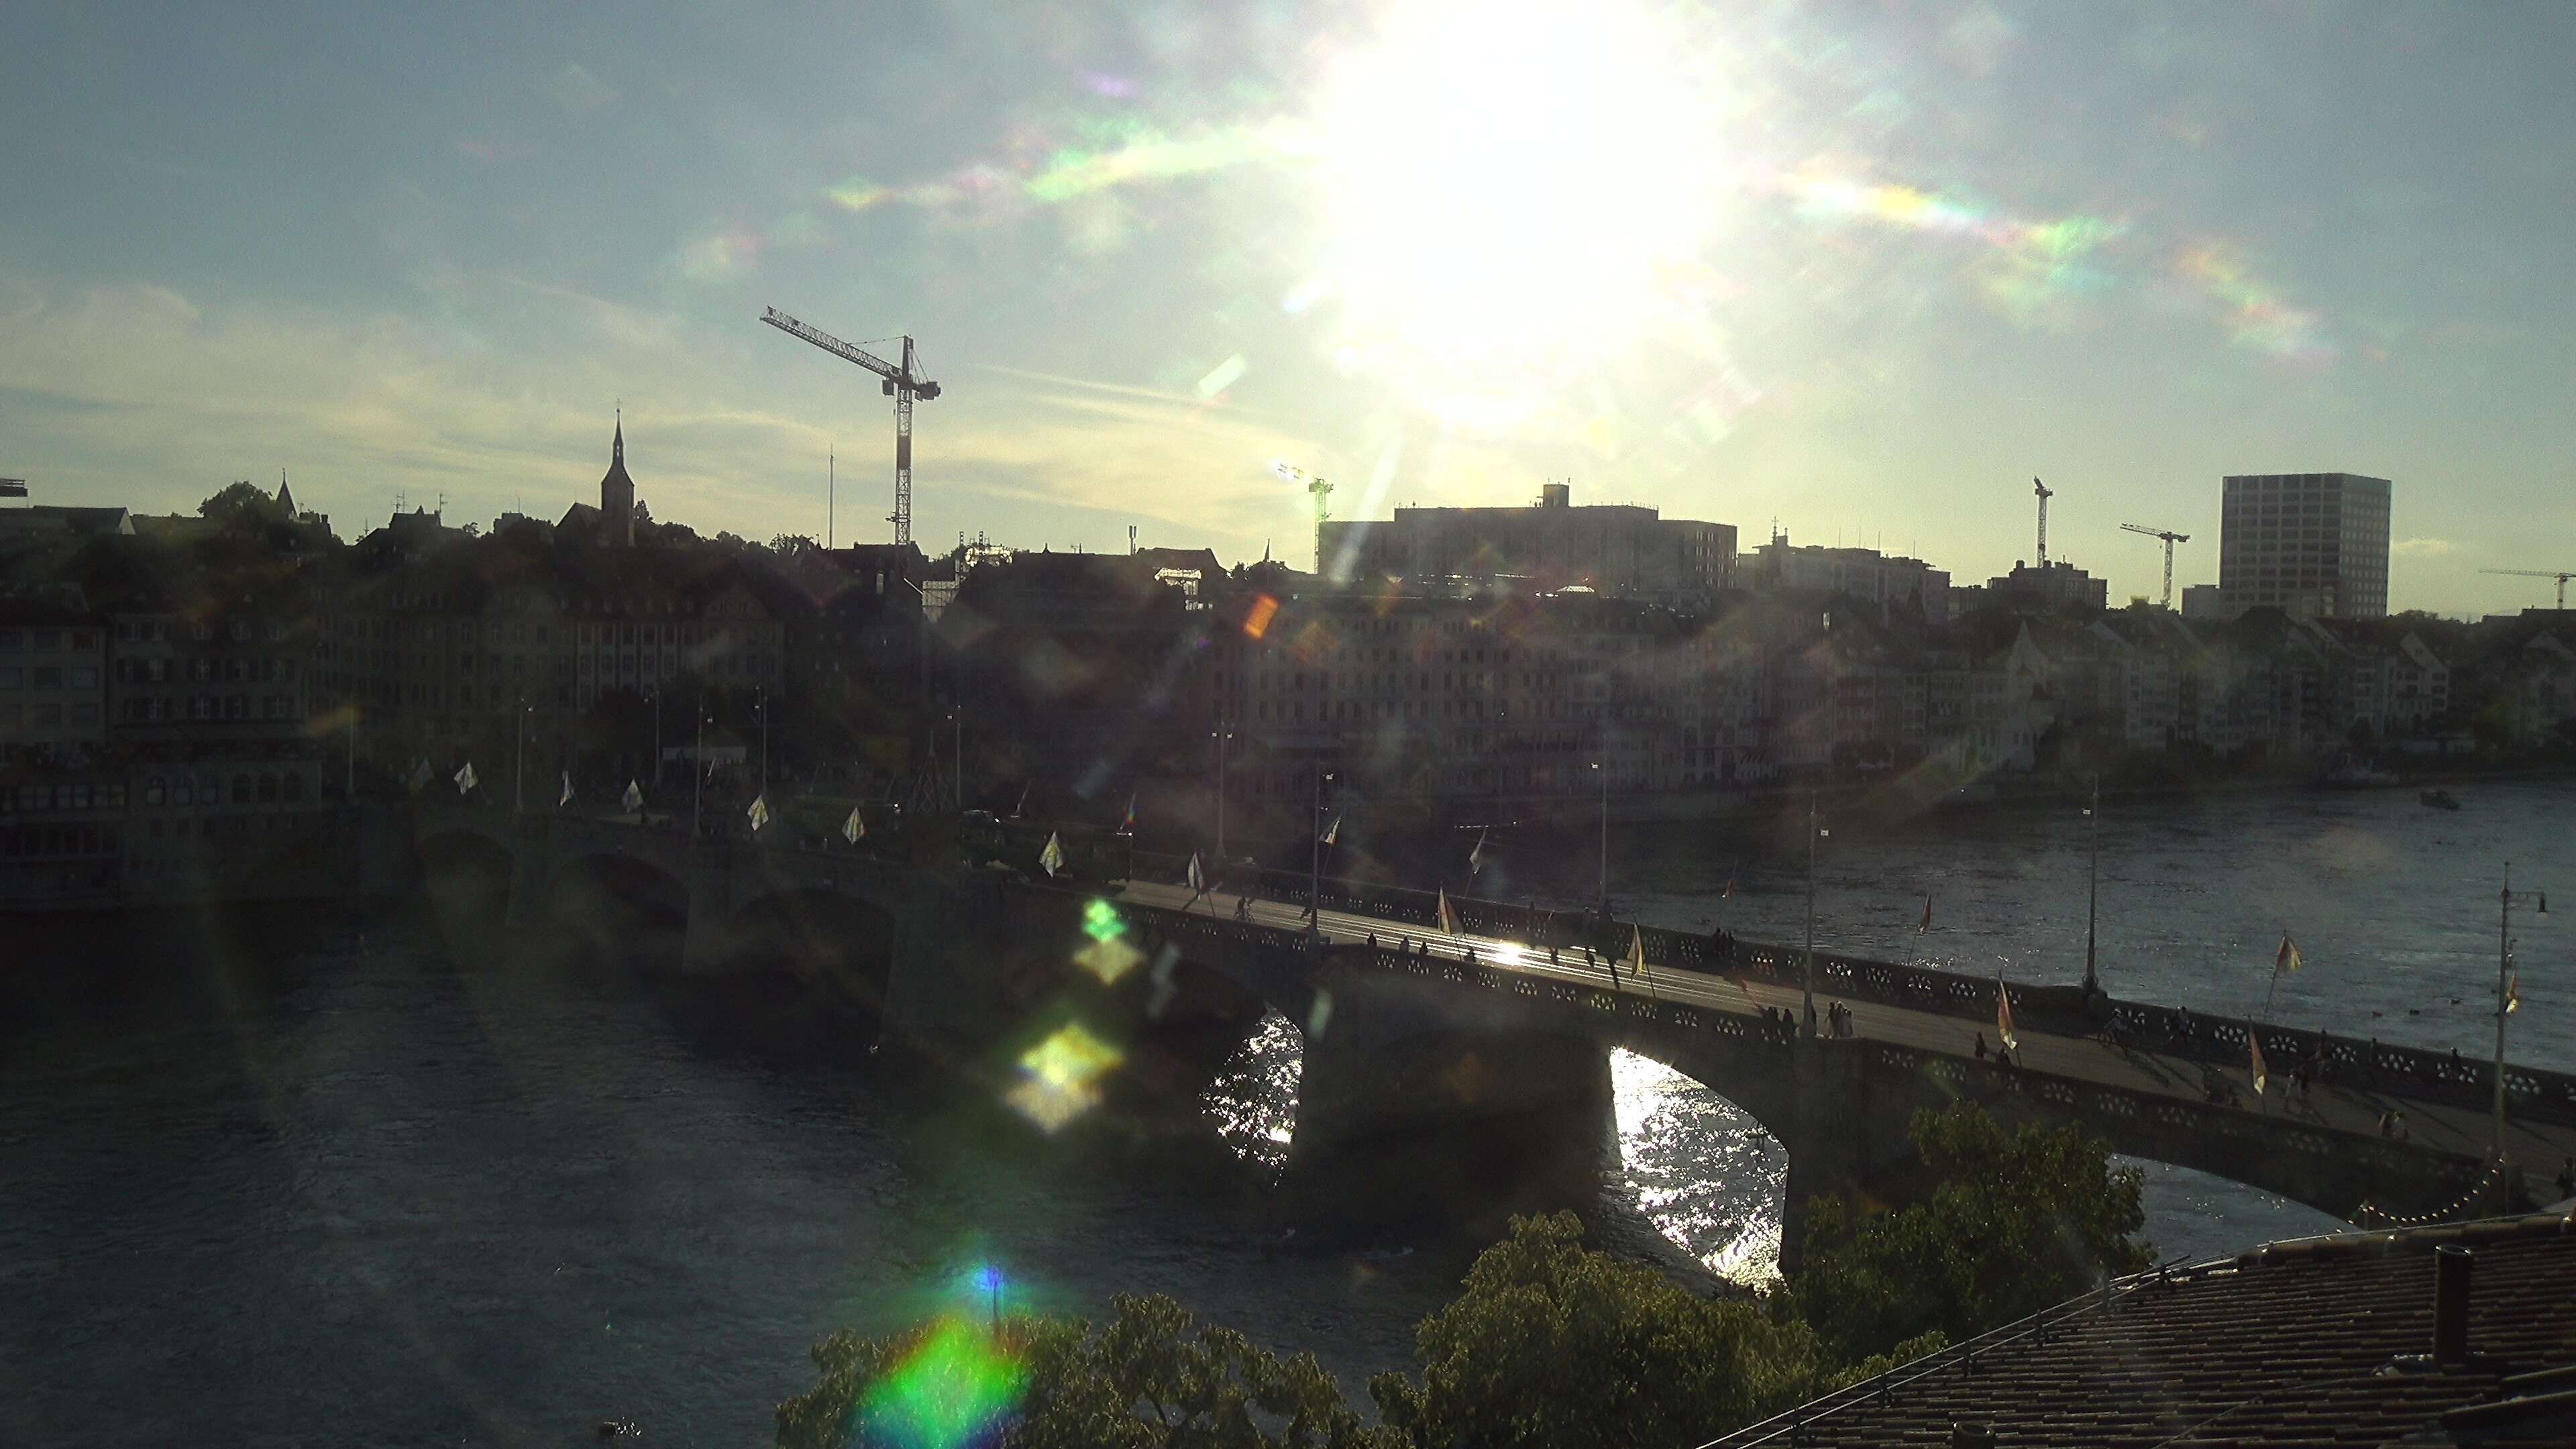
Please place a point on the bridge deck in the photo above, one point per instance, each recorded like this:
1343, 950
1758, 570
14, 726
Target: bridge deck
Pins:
2341, 1106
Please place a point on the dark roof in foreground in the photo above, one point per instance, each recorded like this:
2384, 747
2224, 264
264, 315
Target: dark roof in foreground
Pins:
2293, 1344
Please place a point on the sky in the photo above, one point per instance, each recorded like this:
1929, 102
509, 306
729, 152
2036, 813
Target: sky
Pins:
1857, 271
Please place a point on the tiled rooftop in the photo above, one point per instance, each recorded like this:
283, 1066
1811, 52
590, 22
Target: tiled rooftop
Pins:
2288, 1345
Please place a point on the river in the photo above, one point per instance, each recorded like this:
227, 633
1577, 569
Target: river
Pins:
339, 1183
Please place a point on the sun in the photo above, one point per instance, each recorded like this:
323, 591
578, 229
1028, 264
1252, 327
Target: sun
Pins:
1508, 192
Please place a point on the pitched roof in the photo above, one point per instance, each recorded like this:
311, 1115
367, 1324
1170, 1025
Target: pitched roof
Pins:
2293, 1344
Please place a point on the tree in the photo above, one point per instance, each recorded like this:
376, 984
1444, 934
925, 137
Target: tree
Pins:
242, 506
788, 545
1553, 1345
1144, 1382
2017, 1222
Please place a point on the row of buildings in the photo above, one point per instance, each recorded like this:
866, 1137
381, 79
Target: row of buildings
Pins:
238, 676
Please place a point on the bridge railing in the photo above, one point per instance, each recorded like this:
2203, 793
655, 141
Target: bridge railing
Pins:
2178, 1117
2401, 1070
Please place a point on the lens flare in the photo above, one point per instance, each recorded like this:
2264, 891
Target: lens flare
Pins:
2254, 313
956, 1388
1058, 1076
2030, 266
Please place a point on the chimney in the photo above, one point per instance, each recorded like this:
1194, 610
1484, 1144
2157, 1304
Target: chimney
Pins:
2451, 1265
1555, 495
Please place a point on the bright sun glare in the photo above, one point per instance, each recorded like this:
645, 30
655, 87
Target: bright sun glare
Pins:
1510, 191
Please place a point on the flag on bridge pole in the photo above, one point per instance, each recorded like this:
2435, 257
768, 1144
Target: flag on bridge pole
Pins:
1332, 833
1728, 894
1448, 915
1053, 856
420, 776
465, 781
1198, 880
1127, 826
567, 791
2513, 991
2286, 961
1926, 926
1636, 953
1476, 857
634, 801
759, 812
2254, 1048
2003, 1014
854, 829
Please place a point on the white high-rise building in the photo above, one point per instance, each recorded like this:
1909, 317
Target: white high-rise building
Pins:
2314, 544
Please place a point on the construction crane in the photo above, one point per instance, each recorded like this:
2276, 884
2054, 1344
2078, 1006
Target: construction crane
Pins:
903, 384
2562, 579
2045, 494
2171, 538
1322, 490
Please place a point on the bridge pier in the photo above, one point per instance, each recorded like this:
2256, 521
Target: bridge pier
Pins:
1834, 1139
1406, 1113
530, 875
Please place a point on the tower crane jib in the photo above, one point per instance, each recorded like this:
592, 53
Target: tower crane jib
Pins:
904, 383
2170, 539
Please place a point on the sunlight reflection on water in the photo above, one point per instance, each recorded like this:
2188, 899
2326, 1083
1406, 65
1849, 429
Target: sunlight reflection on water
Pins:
1704, 1173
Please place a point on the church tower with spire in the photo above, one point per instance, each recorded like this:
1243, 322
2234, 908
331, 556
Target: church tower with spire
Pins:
617, 493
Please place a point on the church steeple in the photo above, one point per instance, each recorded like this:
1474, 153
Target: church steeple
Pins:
617, 491
285, 499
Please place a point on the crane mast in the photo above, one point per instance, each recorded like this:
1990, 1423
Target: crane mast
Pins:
2170, 539
2045, 494
903, 383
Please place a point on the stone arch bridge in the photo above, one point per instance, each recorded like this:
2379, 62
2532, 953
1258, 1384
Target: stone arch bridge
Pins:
1474, 1063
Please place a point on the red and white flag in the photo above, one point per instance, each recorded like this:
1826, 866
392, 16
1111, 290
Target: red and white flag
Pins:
2513, 991
1448, 915
2286, 961
2003, 1015
2262, 1074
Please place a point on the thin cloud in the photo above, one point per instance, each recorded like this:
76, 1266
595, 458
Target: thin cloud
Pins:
577, 91
2424, 547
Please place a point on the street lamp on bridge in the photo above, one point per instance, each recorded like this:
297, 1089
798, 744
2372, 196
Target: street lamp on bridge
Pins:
2508, 995
1223, 735
2093, 889
1814, 833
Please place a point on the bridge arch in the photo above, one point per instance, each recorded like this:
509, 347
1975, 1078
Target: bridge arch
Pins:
610, 913
818, 935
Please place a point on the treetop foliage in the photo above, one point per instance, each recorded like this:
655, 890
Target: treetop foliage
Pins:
2018, 1222
1548, 1343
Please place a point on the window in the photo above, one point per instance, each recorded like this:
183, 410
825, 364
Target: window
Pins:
268, 789
155, 792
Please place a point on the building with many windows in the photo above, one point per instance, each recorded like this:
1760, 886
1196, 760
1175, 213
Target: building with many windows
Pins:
1616, 549
2311, 544
52, 666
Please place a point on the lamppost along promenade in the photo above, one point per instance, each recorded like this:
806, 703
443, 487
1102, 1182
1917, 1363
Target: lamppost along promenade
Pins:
2093, 889
2508, 996
1813, 834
